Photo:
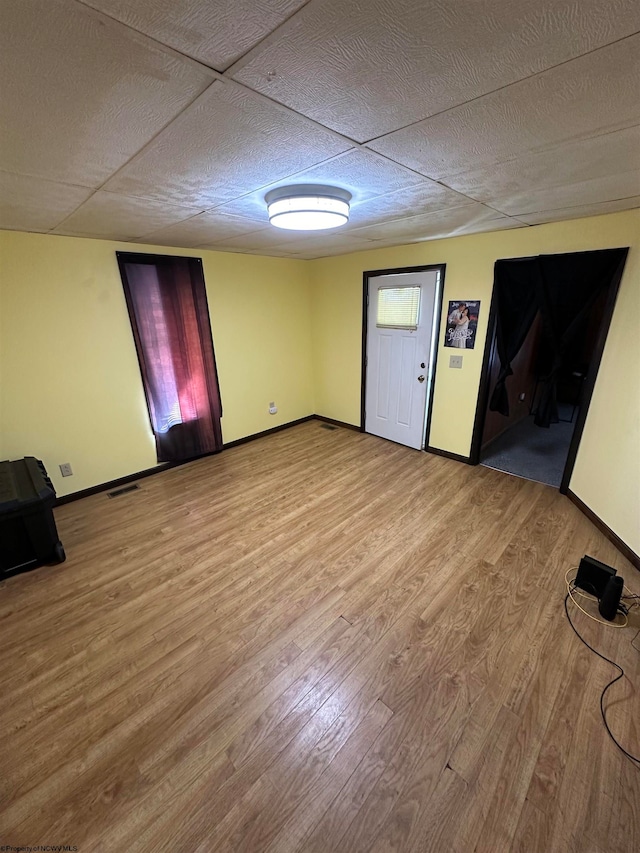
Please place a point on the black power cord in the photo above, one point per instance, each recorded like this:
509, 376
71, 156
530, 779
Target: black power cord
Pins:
610, 684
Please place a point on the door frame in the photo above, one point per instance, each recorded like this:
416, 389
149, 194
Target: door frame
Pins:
437, 313
587, 388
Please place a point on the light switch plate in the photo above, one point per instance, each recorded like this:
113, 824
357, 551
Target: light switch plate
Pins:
455, 361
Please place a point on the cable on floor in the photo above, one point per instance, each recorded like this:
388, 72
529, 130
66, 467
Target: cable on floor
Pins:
572, 588
610, 684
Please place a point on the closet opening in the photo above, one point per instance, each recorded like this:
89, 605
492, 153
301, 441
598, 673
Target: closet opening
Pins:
549, 320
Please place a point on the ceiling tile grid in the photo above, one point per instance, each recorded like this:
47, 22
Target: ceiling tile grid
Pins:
581, 211
207, 227
363, 173
380, 189
368, 67
599, 157
32, 204
215, 32
166, 123
114, 217
590, 191
223, 146
427, 197
298, 245
573, 101
80, 94
443, 223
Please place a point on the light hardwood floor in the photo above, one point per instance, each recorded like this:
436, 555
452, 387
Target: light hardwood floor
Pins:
319, 641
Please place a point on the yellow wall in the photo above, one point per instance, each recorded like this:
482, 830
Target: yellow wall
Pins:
70, 385
607, 471
288, 331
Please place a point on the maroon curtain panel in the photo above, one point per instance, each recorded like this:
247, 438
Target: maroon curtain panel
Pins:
167, 304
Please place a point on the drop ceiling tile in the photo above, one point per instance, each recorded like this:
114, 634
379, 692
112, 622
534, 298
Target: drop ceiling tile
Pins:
81, 94
444, 223
581, 211
263, 253
255, 242
206, 228
294, 243
609, 188
363, 174
570, 102
332, 252
423, 198
115, 217
215, 32
252, 205
368, 67
598, 157
327, 241
228, 143
31, 204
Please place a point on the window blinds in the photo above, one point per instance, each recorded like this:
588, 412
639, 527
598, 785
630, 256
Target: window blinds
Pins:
398, 307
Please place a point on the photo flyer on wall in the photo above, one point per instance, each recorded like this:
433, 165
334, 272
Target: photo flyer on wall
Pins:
462, 322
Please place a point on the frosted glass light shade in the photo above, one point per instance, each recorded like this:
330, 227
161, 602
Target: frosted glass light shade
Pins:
308, 207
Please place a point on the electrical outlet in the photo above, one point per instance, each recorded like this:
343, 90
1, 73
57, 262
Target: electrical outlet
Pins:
65, 469
273, 409
455, 361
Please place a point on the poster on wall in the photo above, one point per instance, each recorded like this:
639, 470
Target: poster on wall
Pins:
462, 322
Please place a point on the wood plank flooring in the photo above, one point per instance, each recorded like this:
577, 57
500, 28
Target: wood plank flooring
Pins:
319, 641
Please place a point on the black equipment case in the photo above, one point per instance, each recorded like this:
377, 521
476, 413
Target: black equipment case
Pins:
28, 535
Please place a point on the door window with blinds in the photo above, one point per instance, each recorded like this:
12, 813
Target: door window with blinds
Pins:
398, 308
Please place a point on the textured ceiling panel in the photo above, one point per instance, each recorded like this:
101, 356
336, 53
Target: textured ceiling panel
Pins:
569, 102
583, 210
258, 241
116, 217
31, 204
443, 223
424, 198
609, 188
364, 174
102, 95
291, 242
225, 145
215, 32
205, 228
597, 157
305, 242
82, 94
369, 67
380, 190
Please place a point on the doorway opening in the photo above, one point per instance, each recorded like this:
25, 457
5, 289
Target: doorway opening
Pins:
547, 330
401, 319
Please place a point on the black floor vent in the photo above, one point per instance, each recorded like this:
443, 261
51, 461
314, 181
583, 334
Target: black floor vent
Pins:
328, 426
122, 491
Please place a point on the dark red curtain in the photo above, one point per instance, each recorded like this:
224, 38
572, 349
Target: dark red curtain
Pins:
169, 315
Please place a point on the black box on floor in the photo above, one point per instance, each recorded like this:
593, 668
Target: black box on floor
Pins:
593, 576
28, 534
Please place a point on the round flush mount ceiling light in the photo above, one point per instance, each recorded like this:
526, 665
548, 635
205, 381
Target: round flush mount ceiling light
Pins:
308, 207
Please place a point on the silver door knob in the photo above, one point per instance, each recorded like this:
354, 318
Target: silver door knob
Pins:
421, 378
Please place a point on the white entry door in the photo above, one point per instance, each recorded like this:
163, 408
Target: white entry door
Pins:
400, 347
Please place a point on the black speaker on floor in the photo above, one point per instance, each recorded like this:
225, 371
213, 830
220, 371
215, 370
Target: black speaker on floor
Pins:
610, 600
593, 576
